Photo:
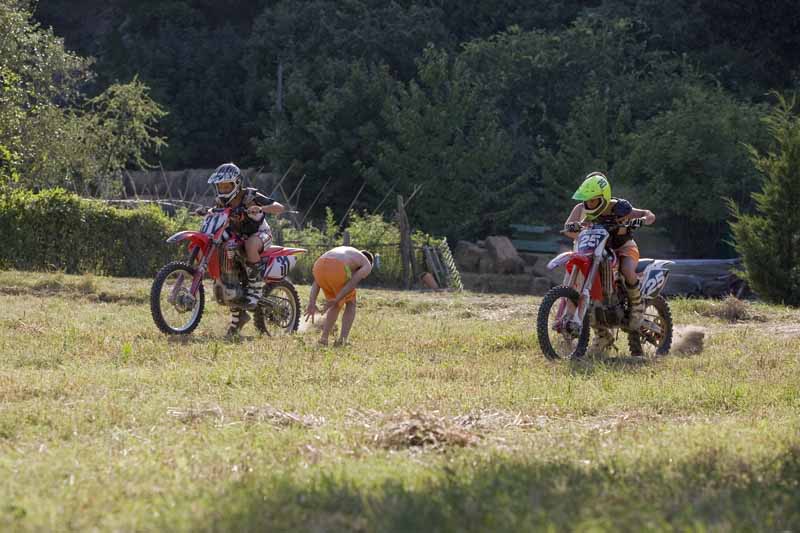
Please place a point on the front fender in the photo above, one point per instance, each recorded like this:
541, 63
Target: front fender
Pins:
195, 238
559, 260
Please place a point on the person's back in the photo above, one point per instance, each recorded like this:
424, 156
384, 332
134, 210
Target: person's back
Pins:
351, 257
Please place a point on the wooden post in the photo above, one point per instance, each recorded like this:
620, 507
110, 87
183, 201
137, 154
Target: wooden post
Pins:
406, 252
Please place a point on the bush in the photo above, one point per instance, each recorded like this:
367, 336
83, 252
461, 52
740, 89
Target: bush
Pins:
58, 230
768, 241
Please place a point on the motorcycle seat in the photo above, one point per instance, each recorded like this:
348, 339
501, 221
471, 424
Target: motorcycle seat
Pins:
643, 264
276, 251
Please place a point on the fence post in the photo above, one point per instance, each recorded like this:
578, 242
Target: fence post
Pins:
406, 252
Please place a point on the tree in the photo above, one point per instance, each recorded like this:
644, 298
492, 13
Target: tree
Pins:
448, 140
685, 161
768, 241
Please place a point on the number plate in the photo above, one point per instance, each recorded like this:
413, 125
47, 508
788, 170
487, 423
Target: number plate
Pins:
213, 222
590, 239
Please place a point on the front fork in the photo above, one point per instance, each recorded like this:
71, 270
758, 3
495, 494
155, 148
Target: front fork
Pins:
197, 279
584, 298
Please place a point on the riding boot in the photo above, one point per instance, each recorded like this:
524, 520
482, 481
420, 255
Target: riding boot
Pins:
637, 306
239, 318
255, 285
602, 340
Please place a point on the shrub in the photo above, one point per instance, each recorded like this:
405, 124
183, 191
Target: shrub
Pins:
58, 230
768, 241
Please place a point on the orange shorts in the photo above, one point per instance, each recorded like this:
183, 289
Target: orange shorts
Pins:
332, 275
629, 249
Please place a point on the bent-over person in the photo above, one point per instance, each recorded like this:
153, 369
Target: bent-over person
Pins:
338, 272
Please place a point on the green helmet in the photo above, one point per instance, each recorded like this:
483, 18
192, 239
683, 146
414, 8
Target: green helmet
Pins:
595, 185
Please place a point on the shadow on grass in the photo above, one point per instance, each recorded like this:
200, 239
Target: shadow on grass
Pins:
588, 365
712, 490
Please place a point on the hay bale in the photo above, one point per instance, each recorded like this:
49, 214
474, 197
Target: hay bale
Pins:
468, 256
506, 258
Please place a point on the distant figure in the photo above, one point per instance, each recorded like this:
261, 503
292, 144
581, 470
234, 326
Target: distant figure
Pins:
338, 272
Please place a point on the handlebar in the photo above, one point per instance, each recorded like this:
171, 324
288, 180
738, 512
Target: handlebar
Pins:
609, 226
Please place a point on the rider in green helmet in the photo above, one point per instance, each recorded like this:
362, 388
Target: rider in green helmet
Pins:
597, 205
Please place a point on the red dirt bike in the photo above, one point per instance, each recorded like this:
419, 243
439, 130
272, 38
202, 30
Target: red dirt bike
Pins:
177, 297
568, 311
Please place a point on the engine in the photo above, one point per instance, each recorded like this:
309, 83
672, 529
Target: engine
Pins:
228, 288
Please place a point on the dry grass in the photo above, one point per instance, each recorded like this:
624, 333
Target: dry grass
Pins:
423, 430
441, 415
252, 415
731, 309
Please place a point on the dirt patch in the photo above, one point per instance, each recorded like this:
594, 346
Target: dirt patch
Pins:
786, 330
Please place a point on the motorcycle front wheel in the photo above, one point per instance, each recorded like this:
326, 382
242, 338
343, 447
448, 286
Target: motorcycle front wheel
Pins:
278, 311
558, 337
175, 311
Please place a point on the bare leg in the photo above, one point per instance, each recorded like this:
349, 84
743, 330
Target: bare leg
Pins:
254, 246
348, 317
330, 320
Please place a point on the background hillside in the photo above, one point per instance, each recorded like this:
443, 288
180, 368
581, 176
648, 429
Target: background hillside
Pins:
496, 108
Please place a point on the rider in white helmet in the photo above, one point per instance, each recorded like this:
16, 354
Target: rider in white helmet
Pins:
252, 227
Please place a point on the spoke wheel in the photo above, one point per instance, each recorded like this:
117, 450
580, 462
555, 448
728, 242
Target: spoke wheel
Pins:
175, 311
559, 338
655, 335
278, 311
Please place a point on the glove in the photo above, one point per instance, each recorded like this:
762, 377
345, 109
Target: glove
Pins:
636, 223
201, 211
573, 227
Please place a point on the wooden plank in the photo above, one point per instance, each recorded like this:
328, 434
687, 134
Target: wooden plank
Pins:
530, 229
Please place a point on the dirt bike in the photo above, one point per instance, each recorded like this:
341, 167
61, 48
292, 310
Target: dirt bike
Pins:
177, 297
568, 311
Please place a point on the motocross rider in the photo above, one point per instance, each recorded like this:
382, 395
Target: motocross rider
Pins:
597, 205
251, 226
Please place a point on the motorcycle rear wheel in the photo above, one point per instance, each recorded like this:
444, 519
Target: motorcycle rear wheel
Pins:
278, 311
182, 315
562, 345
651, 342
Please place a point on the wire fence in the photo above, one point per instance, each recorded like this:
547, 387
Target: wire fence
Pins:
388, 274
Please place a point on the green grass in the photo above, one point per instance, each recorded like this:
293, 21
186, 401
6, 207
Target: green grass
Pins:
106, 424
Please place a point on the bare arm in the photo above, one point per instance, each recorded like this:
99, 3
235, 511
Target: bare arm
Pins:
575, 216
312, 299
648, 215
312, 308
274, 208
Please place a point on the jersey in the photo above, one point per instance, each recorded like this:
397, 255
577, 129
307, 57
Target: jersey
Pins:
617, 209
249, 224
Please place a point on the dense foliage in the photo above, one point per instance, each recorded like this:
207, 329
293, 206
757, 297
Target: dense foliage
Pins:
58, 230
51, 134
491, 110
768, 241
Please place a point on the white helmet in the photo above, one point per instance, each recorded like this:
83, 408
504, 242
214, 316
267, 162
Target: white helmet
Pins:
227, 173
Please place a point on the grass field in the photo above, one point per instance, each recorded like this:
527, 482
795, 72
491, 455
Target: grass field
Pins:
441, 416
